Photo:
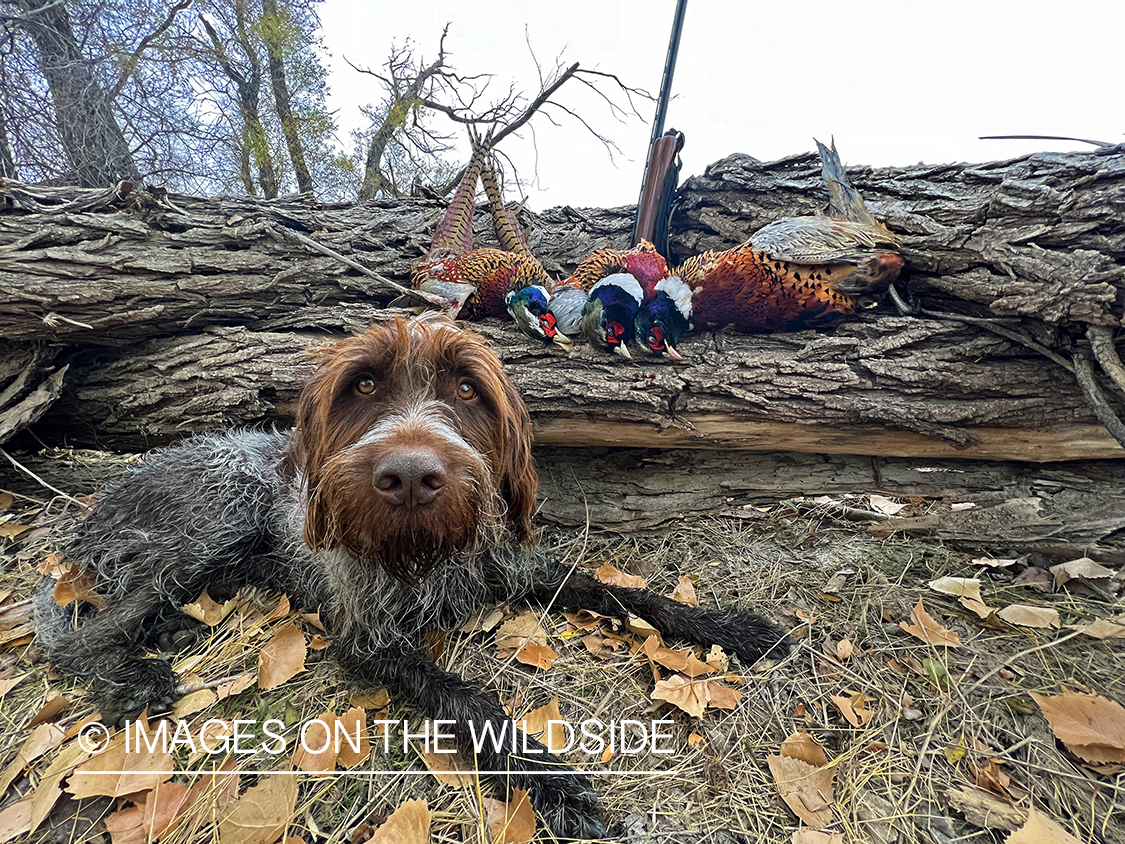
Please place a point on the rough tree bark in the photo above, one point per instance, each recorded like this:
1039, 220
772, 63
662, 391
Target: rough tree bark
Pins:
162, 283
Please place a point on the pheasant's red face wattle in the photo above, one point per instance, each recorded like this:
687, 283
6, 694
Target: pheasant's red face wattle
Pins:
614, 333
655, 339
549, 325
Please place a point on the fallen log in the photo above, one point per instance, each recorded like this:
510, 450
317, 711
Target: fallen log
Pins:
877, 386
179, 314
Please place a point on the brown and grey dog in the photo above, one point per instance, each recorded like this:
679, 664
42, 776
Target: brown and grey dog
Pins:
402, 501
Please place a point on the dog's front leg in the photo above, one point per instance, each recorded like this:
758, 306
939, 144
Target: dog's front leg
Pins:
737, 630
564, 801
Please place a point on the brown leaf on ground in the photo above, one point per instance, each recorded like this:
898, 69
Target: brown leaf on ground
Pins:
804, 835
717, 659
1025, 616
1034, 577
43, 738
377, 699
962, 587
536, 655
77, 585
408, 824
854, 708
282, 657
844, 649
317, 747
51, 710
722, 697
15, 820
685, 592
683, 661
156, 811
207, 611
449, 769
536, 723
641, 627
261, 814
1092, 727
615, 577
522, 628
1103, 628
1040, 829
985, 809
119, 770
1076, 572
689, 695
584, 619
510, 822
923, 626
806, 748
807, 790
354, 724
49, 789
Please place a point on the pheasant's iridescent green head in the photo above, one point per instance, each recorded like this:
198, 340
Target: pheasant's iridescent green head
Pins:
607, 318
528, 308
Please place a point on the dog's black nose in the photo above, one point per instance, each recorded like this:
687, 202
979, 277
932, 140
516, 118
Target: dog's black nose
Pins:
410, 477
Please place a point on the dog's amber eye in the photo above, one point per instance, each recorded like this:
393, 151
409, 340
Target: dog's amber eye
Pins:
466, 391
365, 385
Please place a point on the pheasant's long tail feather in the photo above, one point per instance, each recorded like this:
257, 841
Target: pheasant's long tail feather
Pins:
508, 231
455, 231
845, 202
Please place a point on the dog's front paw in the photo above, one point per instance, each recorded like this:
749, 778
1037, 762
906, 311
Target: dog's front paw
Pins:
567, 805
137, 685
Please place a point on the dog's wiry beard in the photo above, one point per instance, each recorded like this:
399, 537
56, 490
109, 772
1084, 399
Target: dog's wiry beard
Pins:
407, 543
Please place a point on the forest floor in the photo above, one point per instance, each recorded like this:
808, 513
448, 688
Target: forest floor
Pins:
866, 729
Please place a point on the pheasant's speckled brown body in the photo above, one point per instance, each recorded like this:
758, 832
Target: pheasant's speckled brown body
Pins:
493, 272
642, 262
750, 290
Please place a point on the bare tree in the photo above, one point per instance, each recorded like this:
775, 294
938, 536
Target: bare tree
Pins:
416, 90
274, 28
97, 151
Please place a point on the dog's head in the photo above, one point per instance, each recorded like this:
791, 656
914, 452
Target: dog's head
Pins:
413, 444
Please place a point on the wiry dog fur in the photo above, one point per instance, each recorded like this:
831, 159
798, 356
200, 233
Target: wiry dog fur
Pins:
402, 501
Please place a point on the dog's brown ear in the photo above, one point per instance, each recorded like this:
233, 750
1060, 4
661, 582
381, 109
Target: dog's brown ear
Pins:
521, 481
305, 451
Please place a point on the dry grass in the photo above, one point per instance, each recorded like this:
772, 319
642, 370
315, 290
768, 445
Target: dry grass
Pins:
892, 776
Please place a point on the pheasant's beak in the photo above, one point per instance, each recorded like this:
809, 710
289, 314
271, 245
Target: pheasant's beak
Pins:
671, 351
623, 350
562, 341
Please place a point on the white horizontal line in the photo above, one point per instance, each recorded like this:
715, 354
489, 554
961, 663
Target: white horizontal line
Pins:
537, 773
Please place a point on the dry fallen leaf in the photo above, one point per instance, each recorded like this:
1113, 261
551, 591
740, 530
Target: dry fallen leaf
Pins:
50, 710
640, 627
43, 738
689, 695
536, 655
510, 822
1025, 616
806, 790
1082, 569
282, 657
377, 699
520, 629
993, 563
354, 723
207, 611
317, 750
408, 824
1102, 629
804, 835
676, 660
854, 708
15, 820
449, 769
964, 587
261, 814
844, 649
884, 505
77, 585
923, 626
535, 723
615, 577
1040, 829
806, 748
1092, 727
685, 592
119, 770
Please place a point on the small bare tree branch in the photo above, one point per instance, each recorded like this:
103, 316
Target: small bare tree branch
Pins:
134, 59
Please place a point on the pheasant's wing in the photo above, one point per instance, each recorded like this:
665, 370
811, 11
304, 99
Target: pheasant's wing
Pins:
822, 240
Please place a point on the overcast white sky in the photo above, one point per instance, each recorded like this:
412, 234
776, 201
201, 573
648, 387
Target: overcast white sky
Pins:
896, 82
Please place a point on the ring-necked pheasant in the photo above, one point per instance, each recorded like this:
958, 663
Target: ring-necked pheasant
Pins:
795, 273
487, 282
605, 291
